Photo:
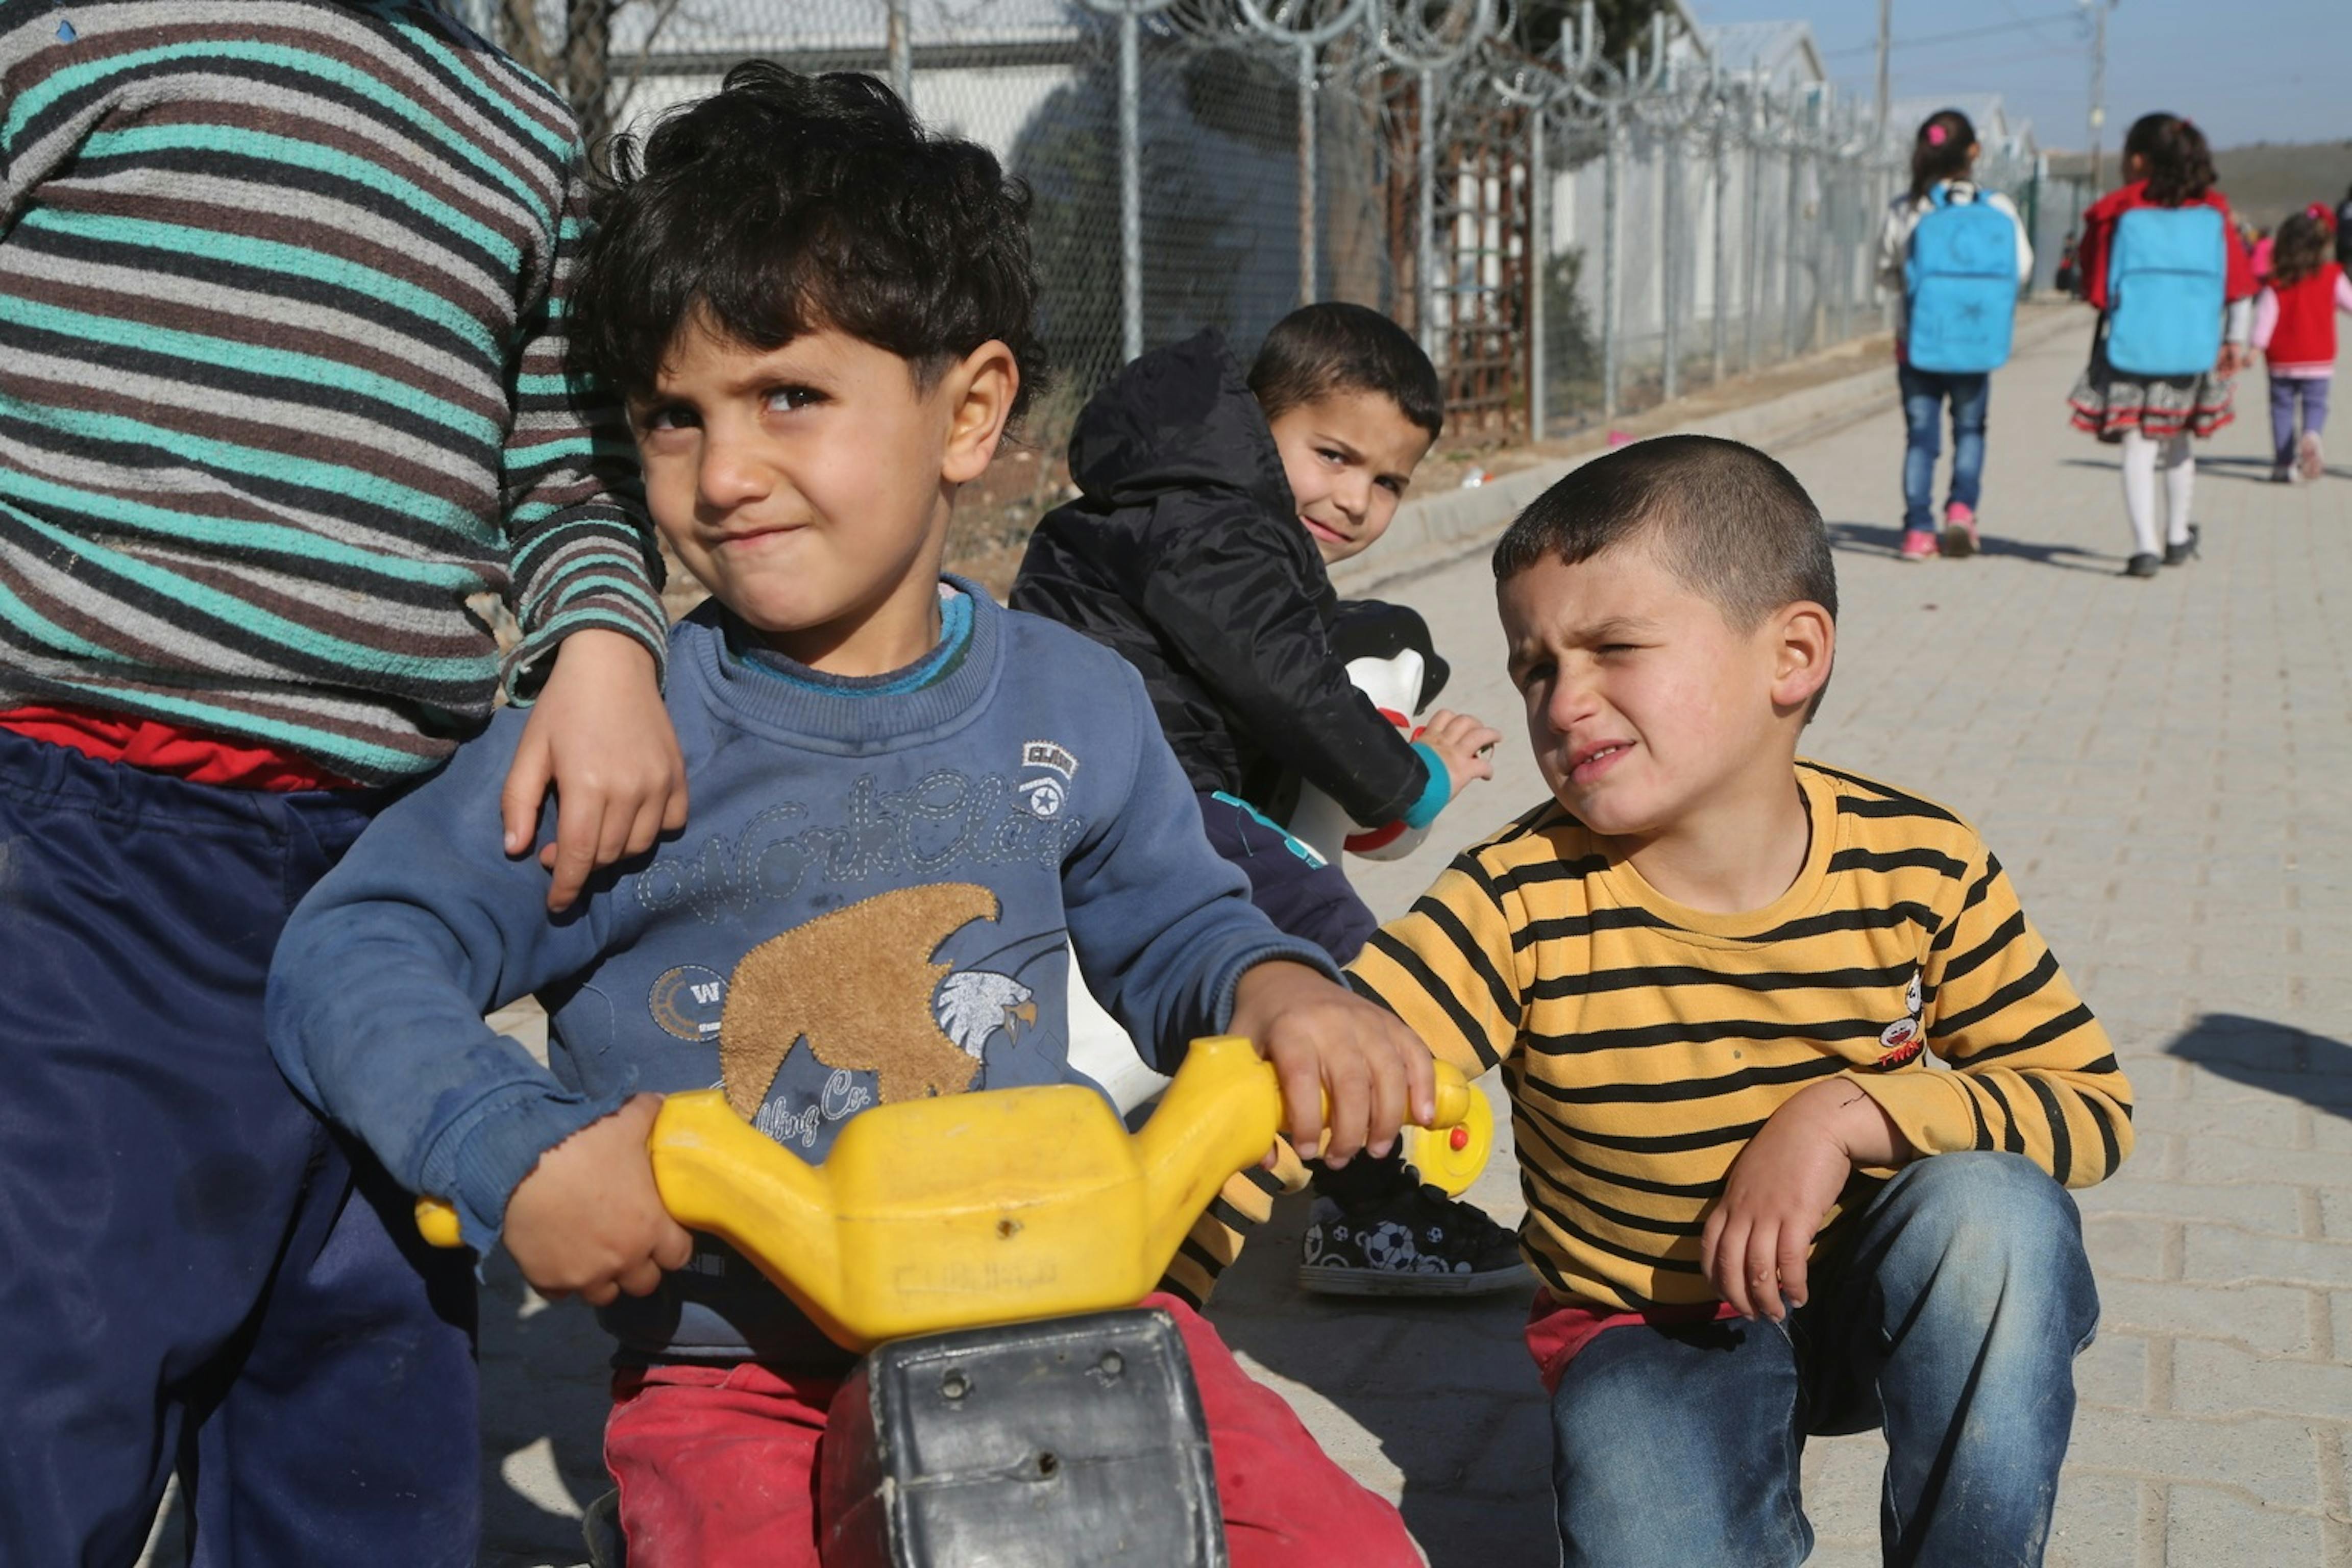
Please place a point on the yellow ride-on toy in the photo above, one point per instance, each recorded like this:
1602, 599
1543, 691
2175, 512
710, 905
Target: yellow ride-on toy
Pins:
1014, 1405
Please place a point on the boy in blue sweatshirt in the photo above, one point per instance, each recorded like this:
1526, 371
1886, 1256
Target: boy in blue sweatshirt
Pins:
907, 799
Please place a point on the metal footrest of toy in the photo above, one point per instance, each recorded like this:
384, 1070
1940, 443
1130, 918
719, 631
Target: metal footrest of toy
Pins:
1073, 1441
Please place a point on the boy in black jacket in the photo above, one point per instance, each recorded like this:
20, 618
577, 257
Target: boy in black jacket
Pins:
1210, 510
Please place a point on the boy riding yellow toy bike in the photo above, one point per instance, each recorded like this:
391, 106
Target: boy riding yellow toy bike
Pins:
907, 801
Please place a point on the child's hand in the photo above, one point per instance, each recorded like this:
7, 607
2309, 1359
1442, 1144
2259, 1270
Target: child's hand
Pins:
601, 736
2233, 359
1466, 745
587, 1220
1758, 1235
1323, 1039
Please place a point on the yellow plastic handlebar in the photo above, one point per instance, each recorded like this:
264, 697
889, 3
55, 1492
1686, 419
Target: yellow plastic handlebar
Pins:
970, 1209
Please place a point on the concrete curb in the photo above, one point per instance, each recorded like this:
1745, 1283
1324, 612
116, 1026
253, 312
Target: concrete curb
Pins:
1430, 531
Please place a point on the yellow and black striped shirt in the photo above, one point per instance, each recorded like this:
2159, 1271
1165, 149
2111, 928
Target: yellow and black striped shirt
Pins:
1644, 1043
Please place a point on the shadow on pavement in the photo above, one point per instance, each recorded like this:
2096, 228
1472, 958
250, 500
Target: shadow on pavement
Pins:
1444, 1388
2277, 1057
1878, 539
2256, 471
550, 1365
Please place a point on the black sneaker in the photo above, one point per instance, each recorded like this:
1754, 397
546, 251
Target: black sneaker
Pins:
2180, 555
2142, 566
1418, 1242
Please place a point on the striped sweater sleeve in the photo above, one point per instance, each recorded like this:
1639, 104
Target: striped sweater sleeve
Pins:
583, 552
1449, 968
2034, 1074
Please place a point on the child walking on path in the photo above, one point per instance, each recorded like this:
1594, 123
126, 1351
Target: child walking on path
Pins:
2174, 292
2294, 326
1953, 309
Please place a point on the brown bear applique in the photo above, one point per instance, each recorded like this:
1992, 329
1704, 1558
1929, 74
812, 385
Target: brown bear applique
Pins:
858, 986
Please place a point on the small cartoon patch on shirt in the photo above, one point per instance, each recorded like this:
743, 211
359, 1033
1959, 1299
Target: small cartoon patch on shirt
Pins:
688, 1001
1902, 1041
1046, 795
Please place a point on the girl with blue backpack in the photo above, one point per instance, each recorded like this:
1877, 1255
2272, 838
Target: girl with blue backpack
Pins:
2175, 296
1954, 256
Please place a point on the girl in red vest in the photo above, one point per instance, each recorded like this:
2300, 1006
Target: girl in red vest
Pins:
2294, 326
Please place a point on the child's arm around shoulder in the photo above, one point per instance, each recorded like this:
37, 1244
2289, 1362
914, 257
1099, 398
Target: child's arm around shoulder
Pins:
381, 980
587, 595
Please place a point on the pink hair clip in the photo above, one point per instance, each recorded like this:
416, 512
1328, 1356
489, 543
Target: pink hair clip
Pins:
1935, 134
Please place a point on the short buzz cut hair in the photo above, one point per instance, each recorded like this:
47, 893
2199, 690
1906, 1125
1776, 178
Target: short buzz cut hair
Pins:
1319, 350
1728, 522
785, 204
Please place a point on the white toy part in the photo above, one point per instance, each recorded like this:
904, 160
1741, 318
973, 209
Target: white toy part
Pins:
1101, 1049
1449, 1158
1394, 686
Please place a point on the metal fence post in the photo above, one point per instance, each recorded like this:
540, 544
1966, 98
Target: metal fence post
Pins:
902, 55
1539, 267
1752, 286
1425, 207
1307, 290
1613, 176
1670, 281
1714, 206
1130, 183
1789, 245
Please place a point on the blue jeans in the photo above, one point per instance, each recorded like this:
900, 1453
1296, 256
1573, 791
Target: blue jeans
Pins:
200, 1276
1949, 1312
2287, 392
1925, 393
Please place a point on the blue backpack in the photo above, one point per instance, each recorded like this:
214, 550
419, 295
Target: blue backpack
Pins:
1960, 279
2164, 292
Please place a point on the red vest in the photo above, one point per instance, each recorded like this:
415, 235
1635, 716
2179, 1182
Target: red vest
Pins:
2305, 333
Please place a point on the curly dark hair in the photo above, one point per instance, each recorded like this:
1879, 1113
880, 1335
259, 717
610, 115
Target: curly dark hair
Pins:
785, 204
2179, 161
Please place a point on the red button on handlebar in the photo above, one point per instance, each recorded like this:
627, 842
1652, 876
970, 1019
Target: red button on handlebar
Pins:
1459, 1139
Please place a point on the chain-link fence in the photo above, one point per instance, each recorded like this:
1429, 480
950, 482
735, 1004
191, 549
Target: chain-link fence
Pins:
1570, 236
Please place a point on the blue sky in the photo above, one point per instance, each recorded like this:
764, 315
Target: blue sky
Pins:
2246, 70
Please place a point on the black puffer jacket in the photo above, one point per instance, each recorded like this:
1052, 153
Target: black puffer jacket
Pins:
1184, 554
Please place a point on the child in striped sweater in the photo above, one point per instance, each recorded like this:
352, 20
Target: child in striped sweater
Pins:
1713, 975
282, 407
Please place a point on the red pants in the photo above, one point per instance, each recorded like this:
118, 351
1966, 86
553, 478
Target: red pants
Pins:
717, 1467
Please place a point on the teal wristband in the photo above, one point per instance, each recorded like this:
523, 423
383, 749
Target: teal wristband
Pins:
1434, 794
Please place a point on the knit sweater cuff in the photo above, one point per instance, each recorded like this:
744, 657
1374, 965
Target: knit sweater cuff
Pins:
484, 1155
595, 576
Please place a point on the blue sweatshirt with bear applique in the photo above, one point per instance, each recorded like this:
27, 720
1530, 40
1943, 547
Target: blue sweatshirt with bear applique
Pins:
870, 903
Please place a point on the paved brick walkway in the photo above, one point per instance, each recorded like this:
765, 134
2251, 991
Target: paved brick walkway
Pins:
2164, 768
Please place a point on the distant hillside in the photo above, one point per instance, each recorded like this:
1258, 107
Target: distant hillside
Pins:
2265, 181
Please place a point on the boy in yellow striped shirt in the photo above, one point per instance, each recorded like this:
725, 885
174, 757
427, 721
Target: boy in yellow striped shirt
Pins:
1713, 976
